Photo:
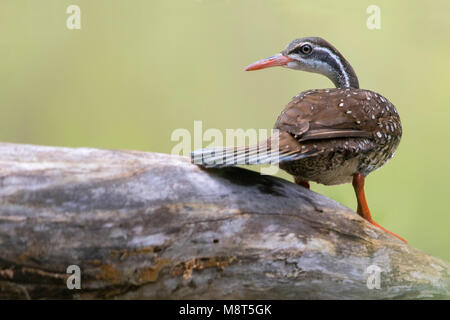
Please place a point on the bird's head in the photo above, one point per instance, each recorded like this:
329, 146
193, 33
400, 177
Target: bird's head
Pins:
312, 54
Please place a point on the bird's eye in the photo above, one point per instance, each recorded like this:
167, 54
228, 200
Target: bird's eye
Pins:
305, 49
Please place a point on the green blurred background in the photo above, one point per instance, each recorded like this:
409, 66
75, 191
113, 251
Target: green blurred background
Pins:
137, 70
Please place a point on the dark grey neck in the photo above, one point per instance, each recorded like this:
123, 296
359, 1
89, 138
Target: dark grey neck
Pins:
341, 72
338, 69
344, 77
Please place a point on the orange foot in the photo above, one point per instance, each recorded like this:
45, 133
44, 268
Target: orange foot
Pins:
363, 208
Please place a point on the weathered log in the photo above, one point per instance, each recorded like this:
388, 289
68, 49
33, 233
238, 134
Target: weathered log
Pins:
153, 226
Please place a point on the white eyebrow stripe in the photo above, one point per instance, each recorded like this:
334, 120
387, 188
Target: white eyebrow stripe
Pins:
339, 63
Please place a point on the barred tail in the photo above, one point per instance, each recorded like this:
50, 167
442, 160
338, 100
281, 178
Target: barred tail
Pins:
258, 154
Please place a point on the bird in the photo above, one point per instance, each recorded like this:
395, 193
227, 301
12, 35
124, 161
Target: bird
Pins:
328, 136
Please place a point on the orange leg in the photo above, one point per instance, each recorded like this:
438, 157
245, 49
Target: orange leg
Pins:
363, 208
302, 183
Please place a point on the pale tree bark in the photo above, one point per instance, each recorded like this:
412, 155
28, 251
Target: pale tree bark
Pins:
153, 226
